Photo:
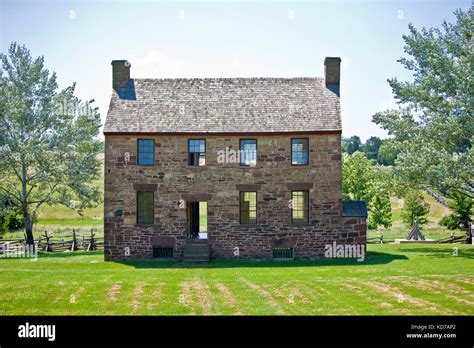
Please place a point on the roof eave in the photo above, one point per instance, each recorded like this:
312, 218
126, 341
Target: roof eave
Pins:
314, 132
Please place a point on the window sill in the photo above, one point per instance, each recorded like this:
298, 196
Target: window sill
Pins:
144, 224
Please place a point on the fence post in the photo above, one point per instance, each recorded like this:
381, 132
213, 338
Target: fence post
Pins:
92, 241
48, 247
74, 240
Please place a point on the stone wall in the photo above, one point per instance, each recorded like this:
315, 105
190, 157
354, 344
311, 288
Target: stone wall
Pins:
219, 184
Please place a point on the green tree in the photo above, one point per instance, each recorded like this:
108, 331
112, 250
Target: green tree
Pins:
371, 147
462, 211
387, 154
361, 180
433, 130
351, 145
380, 211
414, 207
357, 174
48, 139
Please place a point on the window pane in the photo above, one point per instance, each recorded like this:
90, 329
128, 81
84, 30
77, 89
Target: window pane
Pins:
146, 152
248, 207
299, 151
202, 146
248, 152
145, 207
197, 152
202, 159
300, 206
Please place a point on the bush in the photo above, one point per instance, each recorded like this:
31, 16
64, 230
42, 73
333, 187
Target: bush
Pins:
10, 219
415, 207
462, 210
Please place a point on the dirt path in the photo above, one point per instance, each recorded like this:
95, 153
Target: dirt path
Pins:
137, 294
196, 293
264, 293
393, 291
229, 298
114, 291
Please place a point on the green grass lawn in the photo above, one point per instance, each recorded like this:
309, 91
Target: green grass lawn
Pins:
393, 280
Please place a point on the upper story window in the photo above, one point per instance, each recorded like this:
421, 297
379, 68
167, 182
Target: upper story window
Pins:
146, 152
248, 152
299, 152
145, 207
197, 152
299, 206
248, 207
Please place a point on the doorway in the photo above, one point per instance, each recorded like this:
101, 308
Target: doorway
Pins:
196, 220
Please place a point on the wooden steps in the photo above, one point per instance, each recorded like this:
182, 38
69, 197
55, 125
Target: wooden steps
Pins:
196, 251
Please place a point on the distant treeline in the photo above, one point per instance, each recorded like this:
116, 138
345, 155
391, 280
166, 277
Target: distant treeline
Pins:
374, 148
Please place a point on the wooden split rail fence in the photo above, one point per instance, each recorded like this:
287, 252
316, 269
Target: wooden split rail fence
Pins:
451, 239
48, 243
435, 195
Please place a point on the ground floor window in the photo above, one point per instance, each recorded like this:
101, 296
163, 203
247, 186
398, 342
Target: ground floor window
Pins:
248, 207
299, 206
145, 212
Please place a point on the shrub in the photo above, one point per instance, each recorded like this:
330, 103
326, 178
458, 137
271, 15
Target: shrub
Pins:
415, 207
10, 219
462, 210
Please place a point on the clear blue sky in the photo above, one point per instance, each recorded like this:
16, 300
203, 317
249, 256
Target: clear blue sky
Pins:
226, 39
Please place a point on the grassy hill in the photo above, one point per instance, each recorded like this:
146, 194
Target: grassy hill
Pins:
431, 230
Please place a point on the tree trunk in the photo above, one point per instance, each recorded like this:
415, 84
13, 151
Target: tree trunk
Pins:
28, 219
30, 240
469, 236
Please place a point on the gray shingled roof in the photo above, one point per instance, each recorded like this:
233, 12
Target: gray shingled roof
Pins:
354, 208
224, 105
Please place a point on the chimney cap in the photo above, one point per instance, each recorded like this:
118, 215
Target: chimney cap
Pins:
332, 59
121, 61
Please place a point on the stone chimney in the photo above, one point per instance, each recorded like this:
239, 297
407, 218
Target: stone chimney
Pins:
120, 73
332, 73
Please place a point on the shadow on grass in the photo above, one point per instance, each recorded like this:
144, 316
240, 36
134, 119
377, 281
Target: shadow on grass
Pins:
373, 258
43, 254
54, 255
455, 251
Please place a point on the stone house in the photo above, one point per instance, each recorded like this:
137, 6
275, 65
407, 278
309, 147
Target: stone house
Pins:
225, 168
